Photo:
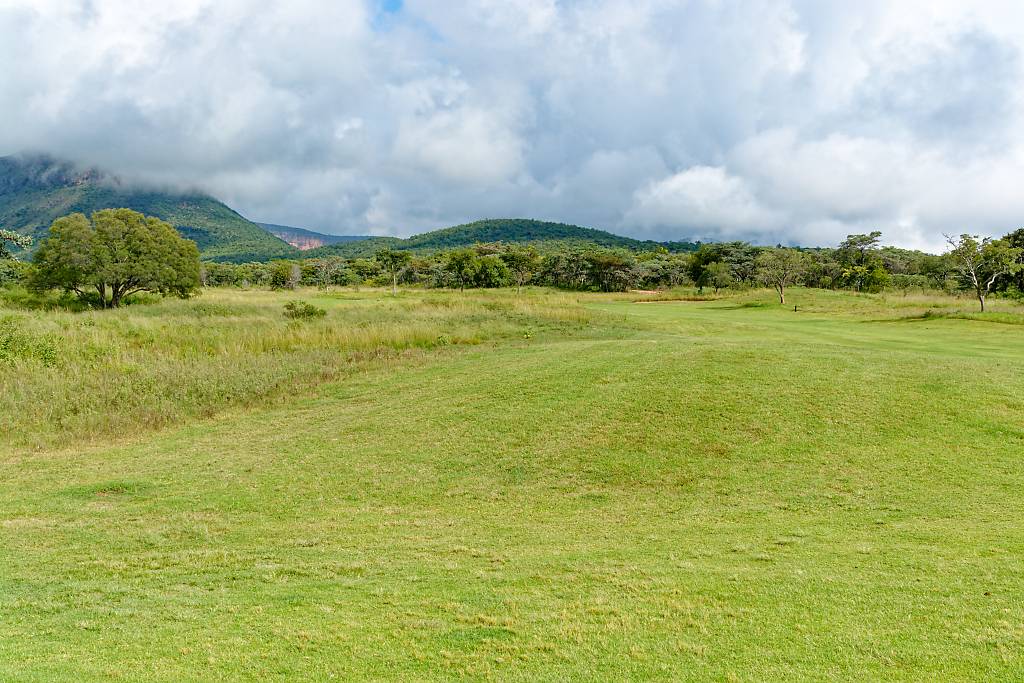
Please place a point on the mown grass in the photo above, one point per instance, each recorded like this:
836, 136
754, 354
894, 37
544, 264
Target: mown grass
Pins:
723, 490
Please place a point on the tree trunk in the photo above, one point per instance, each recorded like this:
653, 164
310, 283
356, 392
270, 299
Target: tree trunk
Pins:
981, 300
394, 284
782, 295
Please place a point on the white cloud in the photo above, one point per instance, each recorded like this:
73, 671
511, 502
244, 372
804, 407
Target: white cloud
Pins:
711, 203
757, 119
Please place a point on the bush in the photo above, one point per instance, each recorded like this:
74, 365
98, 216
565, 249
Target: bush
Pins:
905, 282
300, 310
18, 344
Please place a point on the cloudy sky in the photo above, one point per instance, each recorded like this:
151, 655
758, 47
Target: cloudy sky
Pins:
793, 121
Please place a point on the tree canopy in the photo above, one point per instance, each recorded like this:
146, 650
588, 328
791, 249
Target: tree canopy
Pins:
779, 268
113, 254
14, 238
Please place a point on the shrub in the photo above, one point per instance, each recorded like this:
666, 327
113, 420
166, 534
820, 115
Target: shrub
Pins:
19, 344
904, 282
300, 310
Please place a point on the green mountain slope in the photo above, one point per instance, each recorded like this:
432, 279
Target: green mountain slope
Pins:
35, 190
543, 234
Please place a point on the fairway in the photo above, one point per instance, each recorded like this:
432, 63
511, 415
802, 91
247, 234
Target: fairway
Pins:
661, 490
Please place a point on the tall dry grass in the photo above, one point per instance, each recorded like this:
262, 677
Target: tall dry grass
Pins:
71, 377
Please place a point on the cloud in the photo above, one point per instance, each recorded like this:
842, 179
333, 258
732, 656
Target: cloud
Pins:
775, 121
708, 201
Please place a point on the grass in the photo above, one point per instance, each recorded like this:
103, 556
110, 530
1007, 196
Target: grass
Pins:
599, 490
82, 377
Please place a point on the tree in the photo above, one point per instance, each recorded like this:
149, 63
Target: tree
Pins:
936, 269
365, 269
699, 262
1016, 239
522, 262
740, 257
568, 269
862, 267
14, 238
116, 252
612, 271
393, 262
282, 275
858, 249
719, 275
781, 268
331, 270
982, 261
676, 269
491, 271
463, 265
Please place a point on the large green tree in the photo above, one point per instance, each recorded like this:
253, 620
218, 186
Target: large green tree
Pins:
982, 261
114, 254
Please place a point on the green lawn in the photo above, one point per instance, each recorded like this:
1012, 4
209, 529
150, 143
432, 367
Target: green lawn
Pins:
602, 490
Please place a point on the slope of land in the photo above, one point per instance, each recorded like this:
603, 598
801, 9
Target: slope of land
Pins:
543, 234
525, 489
35, 190
304, 240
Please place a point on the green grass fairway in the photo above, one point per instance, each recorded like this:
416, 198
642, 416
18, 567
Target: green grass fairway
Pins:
723, 490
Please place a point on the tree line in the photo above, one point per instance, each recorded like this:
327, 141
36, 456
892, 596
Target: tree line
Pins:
105, 258
859, 263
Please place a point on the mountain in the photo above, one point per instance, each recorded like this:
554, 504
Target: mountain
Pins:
303, 239
36, 189
543, 234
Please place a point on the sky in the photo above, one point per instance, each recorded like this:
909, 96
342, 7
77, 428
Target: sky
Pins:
774, 121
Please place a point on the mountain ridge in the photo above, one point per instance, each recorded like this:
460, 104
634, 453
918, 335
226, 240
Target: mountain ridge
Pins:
515, 230
36, 189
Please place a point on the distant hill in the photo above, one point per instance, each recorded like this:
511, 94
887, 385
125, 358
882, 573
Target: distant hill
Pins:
35, 190
545, 235
303, 239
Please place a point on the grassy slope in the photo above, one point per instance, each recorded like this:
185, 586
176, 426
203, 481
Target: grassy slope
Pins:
681, 491
221, 233
30, 206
